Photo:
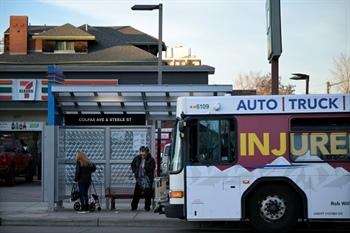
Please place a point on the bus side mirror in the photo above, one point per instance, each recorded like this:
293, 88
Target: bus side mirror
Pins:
182, 125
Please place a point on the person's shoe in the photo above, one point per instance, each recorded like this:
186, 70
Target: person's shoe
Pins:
132, 209
147, 208
81, 211
87, 208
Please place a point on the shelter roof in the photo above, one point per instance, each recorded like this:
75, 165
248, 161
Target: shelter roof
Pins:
158, 102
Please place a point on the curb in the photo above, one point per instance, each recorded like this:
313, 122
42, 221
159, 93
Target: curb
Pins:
62, 221
93, 222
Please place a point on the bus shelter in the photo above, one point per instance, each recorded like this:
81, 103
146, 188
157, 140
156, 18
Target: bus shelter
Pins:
110, 126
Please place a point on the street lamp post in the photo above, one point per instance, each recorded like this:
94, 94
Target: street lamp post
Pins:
160, 43
305, 77
160, 32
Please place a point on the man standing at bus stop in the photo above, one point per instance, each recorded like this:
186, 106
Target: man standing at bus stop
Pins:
143, 165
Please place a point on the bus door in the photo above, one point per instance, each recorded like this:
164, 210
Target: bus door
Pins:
211, 191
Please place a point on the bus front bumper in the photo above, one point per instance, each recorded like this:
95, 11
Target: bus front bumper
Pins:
174, 211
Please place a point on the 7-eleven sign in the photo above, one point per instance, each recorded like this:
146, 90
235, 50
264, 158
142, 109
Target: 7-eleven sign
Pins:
26, 89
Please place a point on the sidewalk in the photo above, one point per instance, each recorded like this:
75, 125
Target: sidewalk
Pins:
37, 214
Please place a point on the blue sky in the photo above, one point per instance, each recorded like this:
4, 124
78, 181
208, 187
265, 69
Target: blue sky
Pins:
229, 35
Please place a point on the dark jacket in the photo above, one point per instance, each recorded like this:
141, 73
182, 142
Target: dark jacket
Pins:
83, 174
150, 166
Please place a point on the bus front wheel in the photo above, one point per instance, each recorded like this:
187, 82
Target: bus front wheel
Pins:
273, 208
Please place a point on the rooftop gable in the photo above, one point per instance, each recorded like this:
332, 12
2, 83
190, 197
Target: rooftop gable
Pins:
64, 32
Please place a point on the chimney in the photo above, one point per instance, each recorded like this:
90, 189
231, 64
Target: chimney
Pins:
18, 35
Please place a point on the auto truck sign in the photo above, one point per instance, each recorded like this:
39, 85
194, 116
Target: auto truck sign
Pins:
26, 89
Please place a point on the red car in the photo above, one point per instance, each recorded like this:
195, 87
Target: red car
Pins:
15, 161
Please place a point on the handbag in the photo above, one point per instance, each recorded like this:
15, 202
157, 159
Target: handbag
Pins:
74, 194
144, 183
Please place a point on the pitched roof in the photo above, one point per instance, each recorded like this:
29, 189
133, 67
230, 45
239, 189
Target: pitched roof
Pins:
64, 32
117, 45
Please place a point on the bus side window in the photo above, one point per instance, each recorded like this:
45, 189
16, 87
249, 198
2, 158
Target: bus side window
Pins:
192, 147
225, 135
320, 139
208, 141
228, 141
211, 141
203, 140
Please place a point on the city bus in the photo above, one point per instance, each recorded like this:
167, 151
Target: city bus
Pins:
273, 160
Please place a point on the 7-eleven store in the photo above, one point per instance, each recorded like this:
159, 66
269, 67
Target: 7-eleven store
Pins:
23, 111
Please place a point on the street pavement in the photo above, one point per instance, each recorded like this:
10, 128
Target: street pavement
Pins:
22, 205
37, 214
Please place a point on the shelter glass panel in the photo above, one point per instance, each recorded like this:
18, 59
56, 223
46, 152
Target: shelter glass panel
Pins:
89, 140
122, 176
125, 142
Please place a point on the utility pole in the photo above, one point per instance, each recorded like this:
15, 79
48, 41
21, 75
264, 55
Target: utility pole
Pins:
328, 86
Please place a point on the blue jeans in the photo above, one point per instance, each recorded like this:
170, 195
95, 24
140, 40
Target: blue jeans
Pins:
83, 192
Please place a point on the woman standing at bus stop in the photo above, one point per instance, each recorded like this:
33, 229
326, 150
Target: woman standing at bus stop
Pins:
83, 169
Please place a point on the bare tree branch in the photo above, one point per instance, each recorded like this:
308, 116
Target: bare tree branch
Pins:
261, 83
341, 74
